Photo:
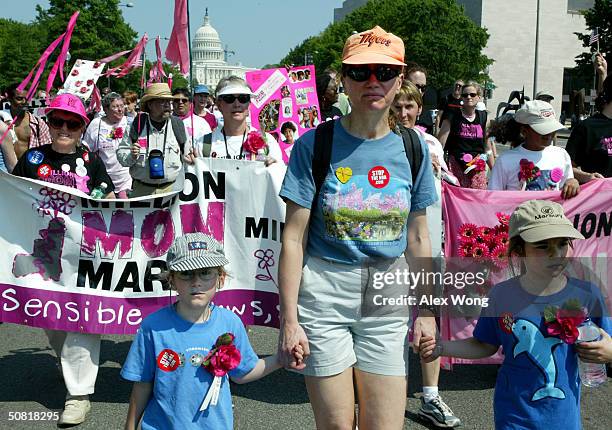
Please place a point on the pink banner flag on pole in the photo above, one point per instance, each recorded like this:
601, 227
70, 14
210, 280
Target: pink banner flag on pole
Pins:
133, 61
589, 212
157, 71
61, 59
178, 46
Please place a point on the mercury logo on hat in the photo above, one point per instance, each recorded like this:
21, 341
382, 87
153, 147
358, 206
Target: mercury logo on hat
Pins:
537, 220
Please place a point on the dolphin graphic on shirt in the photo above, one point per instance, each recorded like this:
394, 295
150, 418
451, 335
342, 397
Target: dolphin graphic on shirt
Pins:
540, 351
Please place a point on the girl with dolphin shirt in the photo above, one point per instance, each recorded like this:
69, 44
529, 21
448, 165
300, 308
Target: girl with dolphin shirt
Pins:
538, 384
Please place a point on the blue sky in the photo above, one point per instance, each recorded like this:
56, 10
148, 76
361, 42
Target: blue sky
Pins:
260, 32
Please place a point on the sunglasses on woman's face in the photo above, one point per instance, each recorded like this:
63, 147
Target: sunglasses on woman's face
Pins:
421, 88
58, 123
362, 74
466, 95
204, 274
230, 98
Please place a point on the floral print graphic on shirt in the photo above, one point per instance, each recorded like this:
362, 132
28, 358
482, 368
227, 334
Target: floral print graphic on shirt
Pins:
606, 144
356, 211
536, 179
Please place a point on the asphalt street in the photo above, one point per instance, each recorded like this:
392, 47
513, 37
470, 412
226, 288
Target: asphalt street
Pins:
31, 383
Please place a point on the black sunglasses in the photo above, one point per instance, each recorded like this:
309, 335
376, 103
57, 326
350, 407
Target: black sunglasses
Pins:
420, 87
71, 124
472, 95
181, 100
362, 74
230, 98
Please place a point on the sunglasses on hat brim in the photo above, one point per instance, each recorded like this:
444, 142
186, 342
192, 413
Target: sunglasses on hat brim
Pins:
382, 72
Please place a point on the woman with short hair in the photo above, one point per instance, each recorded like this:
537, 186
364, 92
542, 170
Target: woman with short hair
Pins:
103, 137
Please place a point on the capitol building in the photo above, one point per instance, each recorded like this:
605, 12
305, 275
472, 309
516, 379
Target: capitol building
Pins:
209, 58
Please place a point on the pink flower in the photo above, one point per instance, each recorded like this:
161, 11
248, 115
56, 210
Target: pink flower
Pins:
566, 325
465, 249
222, 359
468, 231
486, 233
75, 72
83, 90
481, 165
499, 256
503, 218
118, 133
480, 251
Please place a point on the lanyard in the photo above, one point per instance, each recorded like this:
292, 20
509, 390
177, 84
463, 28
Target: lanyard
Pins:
227, 155
165, 136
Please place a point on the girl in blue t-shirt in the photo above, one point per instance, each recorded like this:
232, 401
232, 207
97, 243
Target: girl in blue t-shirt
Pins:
172, 361
533, 318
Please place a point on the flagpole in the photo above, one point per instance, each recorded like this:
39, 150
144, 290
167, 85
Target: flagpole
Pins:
190, 78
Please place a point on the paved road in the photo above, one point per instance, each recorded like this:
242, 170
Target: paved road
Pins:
30, 382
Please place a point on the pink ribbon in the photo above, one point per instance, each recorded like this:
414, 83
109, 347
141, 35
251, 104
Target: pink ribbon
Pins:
61, 59
133, 61
157, 71
95, 104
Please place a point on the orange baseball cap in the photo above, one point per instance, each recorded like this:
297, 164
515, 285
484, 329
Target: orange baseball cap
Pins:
374, 46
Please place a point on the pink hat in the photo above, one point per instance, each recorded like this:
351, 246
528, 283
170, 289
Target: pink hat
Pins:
68, 103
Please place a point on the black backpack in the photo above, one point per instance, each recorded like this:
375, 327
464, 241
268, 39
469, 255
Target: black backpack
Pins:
324, 139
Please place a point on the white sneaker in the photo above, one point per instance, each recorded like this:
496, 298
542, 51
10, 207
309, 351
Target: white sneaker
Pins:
75, 410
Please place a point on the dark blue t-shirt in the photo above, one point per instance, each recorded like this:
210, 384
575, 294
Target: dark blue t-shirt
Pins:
538, 385
366, 197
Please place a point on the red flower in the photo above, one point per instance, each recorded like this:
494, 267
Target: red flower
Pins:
499, 256
481, 165
565, 326
254, 142
222, 359
78, 83
468, 231
118, 133
465, 249
480, 251
486, 233
96, 64
83, 90
503, 218
75, 72
90, 82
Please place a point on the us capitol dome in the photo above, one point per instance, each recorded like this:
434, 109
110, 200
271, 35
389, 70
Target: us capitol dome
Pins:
209, 57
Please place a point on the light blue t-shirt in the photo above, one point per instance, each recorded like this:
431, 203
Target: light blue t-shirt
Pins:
365, 200
538, 384
168, 351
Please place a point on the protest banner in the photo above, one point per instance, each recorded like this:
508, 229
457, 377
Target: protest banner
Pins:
280, 97
75, 264
589, 211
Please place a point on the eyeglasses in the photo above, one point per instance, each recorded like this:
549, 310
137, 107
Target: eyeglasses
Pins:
472, 95
362, 74
161, 102
58, 123
458, 85
421, 87
230, 98
179, 101
204, 274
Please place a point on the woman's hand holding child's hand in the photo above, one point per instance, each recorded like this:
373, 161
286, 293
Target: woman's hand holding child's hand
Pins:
428, 349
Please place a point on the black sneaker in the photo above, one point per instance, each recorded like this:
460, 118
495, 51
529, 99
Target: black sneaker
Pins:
438, 413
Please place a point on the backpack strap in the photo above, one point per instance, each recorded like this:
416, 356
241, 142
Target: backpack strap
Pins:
414, 152
207, 145
321, 156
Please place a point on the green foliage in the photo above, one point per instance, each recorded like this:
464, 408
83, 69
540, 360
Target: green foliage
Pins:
436, 33
20, 47
599, 16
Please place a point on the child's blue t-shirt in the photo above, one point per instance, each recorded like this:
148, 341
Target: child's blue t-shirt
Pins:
168, 351
538, 384
365, 200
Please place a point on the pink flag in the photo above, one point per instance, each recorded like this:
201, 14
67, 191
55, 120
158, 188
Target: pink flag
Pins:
132, 62
157, 71
178, 46
95, 103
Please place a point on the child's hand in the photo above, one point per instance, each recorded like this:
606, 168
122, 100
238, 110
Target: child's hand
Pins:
596, 352
570, 189
429, 350
298, 354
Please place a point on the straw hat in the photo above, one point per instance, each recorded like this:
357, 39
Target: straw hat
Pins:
154, 91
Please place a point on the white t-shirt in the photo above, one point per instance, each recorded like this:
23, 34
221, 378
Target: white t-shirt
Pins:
234, 146
200, 129
551, 168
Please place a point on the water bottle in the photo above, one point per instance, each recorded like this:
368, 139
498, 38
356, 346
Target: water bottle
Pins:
99, 192
591, 374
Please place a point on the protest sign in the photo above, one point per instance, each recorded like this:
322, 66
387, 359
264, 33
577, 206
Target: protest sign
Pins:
284, 97
82, 78
71, 263
589, 211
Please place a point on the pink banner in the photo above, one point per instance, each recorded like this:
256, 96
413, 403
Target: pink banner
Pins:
589, 211
284, 98
178, 47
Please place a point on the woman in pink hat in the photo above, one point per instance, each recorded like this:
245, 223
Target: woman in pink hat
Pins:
66, 162
367, 212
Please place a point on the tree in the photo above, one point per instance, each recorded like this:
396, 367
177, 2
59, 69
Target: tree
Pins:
600, 17
437, 35
20, 47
